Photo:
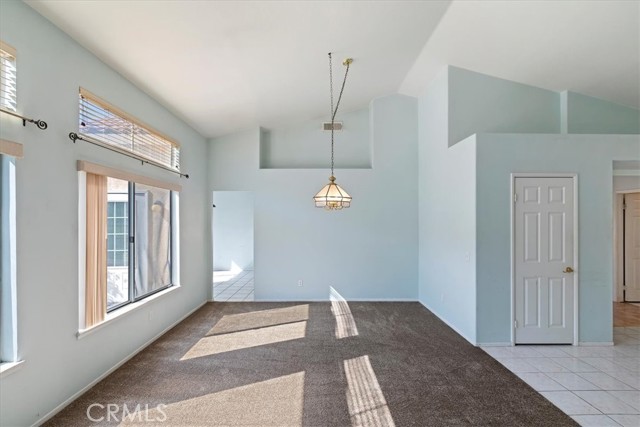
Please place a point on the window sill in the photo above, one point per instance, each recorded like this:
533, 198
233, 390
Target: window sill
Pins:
9, 368
117, 314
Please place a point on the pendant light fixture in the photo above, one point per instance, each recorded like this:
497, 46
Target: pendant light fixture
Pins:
332, 197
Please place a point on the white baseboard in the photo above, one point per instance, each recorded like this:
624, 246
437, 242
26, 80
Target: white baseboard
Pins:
595, 344
494, 344
64, 404
328, 300
448, 324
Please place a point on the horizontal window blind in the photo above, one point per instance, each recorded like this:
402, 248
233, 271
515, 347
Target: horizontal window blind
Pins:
8, 96
111, 126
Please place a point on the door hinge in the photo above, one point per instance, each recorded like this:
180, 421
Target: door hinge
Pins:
515, 324
132, 239
515, 197
624, 202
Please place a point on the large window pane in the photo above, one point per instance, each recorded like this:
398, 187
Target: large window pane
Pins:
152, 239
117, 242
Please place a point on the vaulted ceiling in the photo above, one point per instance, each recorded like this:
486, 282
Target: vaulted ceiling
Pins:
224, 66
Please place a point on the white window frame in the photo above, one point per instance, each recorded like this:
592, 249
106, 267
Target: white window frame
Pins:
9, 354
85, 167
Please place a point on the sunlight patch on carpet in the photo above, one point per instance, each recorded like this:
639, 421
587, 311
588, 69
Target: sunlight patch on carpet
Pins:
345, 323
217, 344
275, 402
260, 319
367, 405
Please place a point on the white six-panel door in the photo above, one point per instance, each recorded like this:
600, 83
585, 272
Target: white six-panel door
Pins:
543, 264
632, 247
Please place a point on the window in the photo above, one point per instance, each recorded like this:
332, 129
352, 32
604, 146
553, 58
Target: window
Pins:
118, 130
129, 239
8, 99
9, 151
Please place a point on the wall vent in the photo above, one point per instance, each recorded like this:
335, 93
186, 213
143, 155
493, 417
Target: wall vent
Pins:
336, 126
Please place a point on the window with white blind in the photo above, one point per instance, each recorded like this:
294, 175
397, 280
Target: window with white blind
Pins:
113, 127
8, 96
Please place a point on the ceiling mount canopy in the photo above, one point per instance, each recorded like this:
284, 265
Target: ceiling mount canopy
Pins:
332, 197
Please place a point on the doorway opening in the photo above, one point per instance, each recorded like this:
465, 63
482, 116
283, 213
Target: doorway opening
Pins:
232, 226
626, 251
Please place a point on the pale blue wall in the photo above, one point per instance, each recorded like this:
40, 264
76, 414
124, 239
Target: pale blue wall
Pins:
591, 157
306, 145
51, 67
446, 216
482, 103
368, 251
233, 230
586, 114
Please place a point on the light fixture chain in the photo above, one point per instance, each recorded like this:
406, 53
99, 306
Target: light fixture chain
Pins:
332, 115
335, 111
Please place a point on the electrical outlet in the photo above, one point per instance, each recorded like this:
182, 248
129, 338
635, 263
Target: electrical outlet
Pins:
300, 282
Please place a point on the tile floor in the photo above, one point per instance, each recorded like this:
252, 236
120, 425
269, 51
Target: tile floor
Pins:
232, 286
596, 386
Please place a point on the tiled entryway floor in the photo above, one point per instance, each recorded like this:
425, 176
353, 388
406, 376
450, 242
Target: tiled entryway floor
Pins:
232, 287
597, 386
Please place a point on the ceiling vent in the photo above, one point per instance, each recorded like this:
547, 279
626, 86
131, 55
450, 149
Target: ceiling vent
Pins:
336, 126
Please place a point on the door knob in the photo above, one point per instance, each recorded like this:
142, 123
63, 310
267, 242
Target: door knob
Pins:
568, 270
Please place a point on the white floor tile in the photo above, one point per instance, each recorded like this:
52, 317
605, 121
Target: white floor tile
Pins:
605, 402
627, 420
517, 365
601, 363
551, 350
544, 364
569, 403
574, 364
631, 398
595, 421
604, 381
572, 381
540, 382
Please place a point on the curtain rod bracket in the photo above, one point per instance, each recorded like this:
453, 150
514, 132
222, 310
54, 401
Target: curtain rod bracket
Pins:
74, 137
41, 124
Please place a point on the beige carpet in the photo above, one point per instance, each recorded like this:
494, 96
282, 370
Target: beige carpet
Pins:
315, 364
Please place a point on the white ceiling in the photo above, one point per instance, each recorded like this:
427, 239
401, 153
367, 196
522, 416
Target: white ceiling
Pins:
590, 47
224, 66
230, 65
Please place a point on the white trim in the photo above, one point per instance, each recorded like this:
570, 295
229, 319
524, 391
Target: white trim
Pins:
618, 250
628, 191
82, 246
494, 344
576, 247
463, 335
8, 368
328, 300
76, 395
595, 344
96, 169
626, 172
119, 313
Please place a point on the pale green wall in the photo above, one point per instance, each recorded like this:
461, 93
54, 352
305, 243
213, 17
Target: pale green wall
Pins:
591, 157
446, 229
306, 145
368, 251
51, 67
585, 114
482, 103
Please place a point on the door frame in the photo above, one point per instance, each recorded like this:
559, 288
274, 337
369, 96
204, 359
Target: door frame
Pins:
576, 233
618, 240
